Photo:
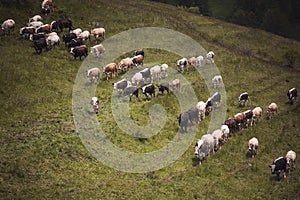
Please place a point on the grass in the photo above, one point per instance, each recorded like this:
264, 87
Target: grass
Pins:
42, 155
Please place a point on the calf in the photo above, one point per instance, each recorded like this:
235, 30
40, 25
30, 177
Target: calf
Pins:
94, 74
253, 146
243, 98
279, 165
290, 158
130, 91
292, 95
79, 51
121, 85
110, 69
148, 90
271, 110
95, 103
183, 120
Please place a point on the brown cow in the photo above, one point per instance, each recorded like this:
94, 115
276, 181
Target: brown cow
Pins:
46, 28
138, 60
112, 69
231, 123
240, 119
79, 51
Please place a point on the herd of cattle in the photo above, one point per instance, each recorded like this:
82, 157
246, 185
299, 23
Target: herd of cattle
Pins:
45, 36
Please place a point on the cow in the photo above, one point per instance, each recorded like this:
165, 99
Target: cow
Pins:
121, 85
139, 52
75, 42
79, 51
163, 69
210, 57
95, 103
39, 45
35, 18
218, 139
98, 32
76, 31
201, 106
164, 87
47, 7
61, 24
130, 91
204, 147
53, 40
253, 146
35, 25
27, 31
199, 61
85, 35
36, 36
148, 90
290, 158
8, 26
183, 120
271, 110
110, 69
213, 102
146, 74
138, 60
243, 98
175, 84
279, 165
155, 72
225, 132
257, 113
44, 29
192, 61
292, 95
240, 119
217, 81
68, 37
248, 117
181, 64
137, 79
193, 115
231, 123
94, 75
97, 50
125, 64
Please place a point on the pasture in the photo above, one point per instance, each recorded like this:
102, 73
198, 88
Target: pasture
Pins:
42, 156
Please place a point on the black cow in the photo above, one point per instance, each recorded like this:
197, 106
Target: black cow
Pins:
139, 52
39, 45
243, 98
292, 95
248, 117
37, 36
183, 120
61, 24
148, 90
146, 73
164, 87
193, 114
278, 166
79, 51
130, 91
75, 42
68, 37
213, 101
121, 85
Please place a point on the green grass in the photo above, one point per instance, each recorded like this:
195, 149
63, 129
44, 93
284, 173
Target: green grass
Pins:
42, 156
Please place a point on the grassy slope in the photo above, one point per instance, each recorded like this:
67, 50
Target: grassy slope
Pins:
42, 156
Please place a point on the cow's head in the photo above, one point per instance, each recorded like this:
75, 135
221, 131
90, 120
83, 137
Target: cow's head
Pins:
198, 146
272, 168
72, 51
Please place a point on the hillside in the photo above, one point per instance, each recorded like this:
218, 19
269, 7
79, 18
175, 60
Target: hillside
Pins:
42, 154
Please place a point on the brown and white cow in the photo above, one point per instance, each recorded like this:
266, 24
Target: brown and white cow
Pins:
8, 26
138, 60
27, 31
240, 119
97, 50
46, 28
98, 32
257, 113
110, 69
94, 74
272, 109
125, 64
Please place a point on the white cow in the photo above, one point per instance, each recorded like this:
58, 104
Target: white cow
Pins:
35, 18
8, 25
164, 68
36, 24
97, 50
138, 79
155, 73
199, 61
218, 139
53, 40
204, 147
201, 106
95, 103
94, 74
98, 32
291, 158
210, 56
217, 81
253, 146
175, 84
85, 35
76, 31
257, 113
225, 130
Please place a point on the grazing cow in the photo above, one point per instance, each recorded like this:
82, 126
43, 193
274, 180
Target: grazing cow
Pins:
98, 32
291, 159
138, 79
97, 50
95, 104
146, 74
225, 132
138, 60
68, 37
85, 35
257, 113
181, 64
183, 120
27, 31
204, 147
163, 69
61, 24
210, 56
243, 98
193, 115
37, 36
121, 85
271, 110
130, 91
248, 117
8, 26
279, 165
155, 72
213, 102
199, 61
217, 81
35, 25
148, 90
47, 7
35, 18
240, 119
75, 42
44, 29
292, 95
76, 31
94, 74
164, 87
139, 52
192, 61
201, 105
53, 40
253, 146
112, 69
175, 84
125, 64
79, 51
231, 123
39, 45
218, 139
